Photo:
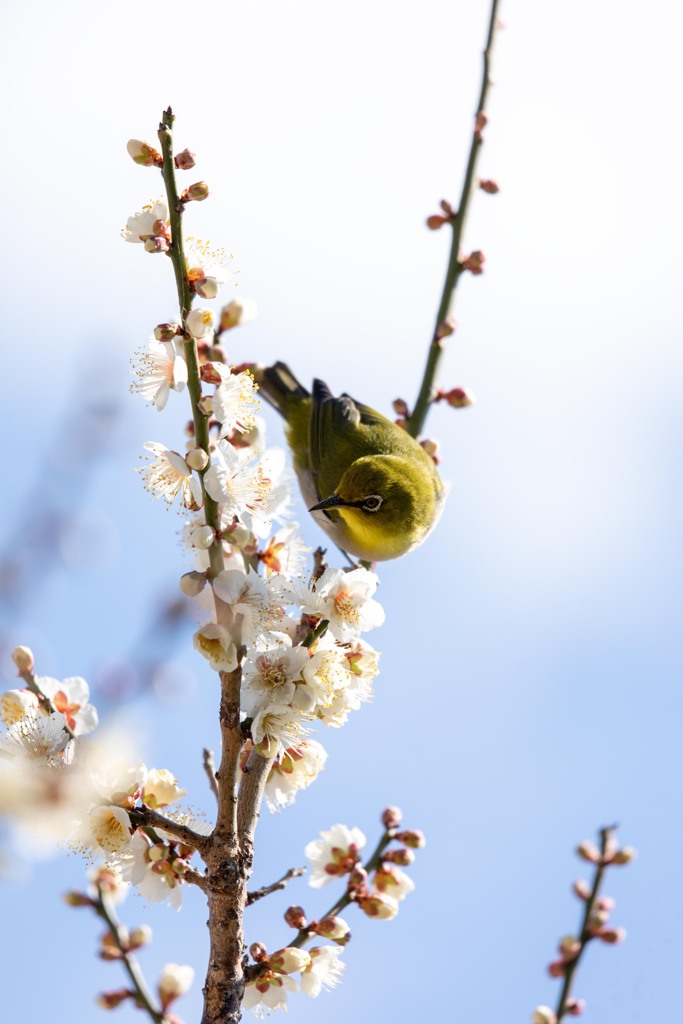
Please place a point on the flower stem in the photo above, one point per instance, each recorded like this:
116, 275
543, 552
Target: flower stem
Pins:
131, 965
416, 421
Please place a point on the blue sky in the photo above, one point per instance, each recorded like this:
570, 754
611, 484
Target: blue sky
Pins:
530, 684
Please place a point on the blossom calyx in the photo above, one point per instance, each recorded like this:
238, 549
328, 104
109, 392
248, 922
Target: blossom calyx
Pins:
144, 154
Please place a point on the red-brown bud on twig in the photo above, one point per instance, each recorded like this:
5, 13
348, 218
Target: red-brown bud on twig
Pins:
611, 935
625, 855
435, 221
447, 209
110, 1000
569, 947
295, 917
412, 837
474, 262
185, 160
401, 408
78, 899
557, 968
446, 328
582, 889
480, 122
197, 192
401, 856
488, 186
575, 1007
432, 448
588, 851
457, 398
167, 332
209, 374
258, 951
391, 817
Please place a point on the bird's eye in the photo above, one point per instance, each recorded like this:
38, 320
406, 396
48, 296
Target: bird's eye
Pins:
372, 503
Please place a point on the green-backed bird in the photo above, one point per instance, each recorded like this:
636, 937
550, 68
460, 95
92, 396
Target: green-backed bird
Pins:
372, 487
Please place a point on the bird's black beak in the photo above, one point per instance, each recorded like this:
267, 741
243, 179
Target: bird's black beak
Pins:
334, 501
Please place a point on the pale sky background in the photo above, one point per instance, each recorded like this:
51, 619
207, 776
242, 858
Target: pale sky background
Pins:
530, 685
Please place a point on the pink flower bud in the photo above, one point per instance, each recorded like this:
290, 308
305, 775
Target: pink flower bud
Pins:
474, 262
391, 817
238, 312
295, 917
197, 459
575, 1007
185, 160
207, 287
157, 243
110, 1000
436, 221
334, 928
607, 903
289, 960
557, 968
569, 947
582, 889
588, 851
379, 905
446, 207
489, 186
258, 952
625, 855
432, 448
140, 936
166, 332
412, 838
401, 408
612, 935
209, 374
457, 398
23, 659
401, 856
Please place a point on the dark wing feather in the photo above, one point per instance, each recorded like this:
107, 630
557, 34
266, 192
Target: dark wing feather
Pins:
330, 417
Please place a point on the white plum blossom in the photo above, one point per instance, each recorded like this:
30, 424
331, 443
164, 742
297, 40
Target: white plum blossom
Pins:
159, 369
246, 488
161, 789
251, 597
234, 401
205, 266
116, 779
273, 675
324, 972
393, 882
268, 991
167, 475
143, 224
335, 853
216, 645
14, 704
70, 696
276, 727
296, 769
36, 739
110, 829
238, 312
285, 553
149, 868
345, 600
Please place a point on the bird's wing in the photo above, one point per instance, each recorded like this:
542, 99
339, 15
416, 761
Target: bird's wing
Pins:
330, 418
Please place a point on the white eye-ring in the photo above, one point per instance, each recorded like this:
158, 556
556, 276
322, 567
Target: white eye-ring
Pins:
372, 503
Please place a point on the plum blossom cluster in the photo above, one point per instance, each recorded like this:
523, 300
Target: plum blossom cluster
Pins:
106, 889
595, 924
56, 781
376, 888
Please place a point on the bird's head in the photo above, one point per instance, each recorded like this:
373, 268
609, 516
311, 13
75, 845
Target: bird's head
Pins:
388, 504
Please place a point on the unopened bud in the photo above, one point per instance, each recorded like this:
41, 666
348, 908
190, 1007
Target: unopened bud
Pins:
157, 243
175, 980
140, 936
570, 947
575, 1007
611, 847
557, 968
446, 328
143, 154
196, 192
480, 122
202, 537
435, 221
200, 322
192, 583
166, 332
544, 1015
597, 919
197, 458
258, 952
447, 208
458, 398
489, 186
625, 855
588, 851
110, 1000
401, 856
358, 879
607, 903
432, 448
401, 408
289, 960
612, 935
207, 287
77, 899
186, 160
295, 917
582, 889
205, 405
379, 905
391, 817
334, 928
237, 312
23, 659
474, 262
412, 837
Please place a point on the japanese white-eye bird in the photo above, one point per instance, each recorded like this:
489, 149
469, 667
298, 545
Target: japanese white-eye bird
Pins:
370, 486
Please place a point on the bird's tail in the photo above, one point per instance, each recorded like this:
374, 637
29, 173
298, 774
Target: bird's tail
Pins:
278, 385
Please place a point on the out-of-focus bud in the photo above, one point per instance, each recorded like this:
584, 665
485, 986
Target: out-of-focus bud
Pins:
334, 928
161, 789
378, 905
611, 846
175, 981
458, 398
432, 448
474, 262
401, 408
612, 935
606, 903
544, 1015
205, 405
185, 160
447, 208
77, 899
157, 243
412, 837
392, 817
197, 192
144, 154
166, 332
570, 947
436, 221
575, 1007
109, 947
358, 879
488, 186
588, 851
110, 1000
582, 889
202, 537
158, 852
237, 312
401, 856
295, 917
597, 921
207, 287
446, 328
625, 855
209, 374
258, 952
140, 936
480, 122
192, 583
23, 659
289, 960
557, 968
197, 459
200, 322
